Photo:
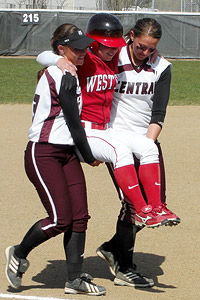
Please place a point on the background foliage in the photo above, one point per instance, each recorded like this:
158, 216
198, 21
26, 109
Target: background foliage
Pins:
160, 5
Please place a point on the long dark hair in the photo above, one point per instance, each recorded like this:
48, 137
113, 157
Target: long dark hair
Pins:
146, 26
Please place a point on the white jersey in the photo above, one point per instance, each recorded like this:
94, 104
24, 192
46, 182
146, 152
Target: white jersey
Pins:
133, 96
48, 122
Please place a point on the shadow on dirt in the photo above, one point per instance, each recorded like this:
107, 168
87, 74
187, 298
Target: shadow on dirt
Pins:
54, 275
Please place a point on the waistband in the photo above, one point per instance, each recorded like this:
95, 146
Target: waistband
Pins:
93, 125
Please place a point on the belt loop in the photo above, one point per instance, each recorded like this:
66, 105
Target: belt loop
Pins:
93, 125
86, 124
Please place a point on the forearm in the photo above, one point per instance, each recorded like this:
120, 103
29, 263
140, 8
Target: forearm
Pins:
47, 58
68, 99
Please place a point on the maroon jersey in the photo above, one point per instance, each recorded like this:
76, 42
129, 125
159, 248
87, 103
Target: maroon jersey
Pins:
97, 80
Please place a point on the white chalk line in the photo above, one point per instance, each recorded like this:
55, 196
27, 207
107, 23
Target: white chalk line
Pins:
13, 296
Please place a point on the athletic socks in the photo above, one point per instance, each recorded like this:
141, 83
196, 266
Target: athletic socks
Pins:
150, 179
34, 237
127, 180
74, 245
123, 242
126, 234
149, 176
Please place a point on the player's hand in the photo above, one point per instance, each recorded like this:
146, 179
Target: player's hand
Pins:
67, 66
96, 163
68, 81
154, 55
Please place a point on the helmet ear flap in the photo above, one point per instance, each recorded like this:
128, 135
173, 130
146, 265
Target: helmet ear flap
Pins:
94, 46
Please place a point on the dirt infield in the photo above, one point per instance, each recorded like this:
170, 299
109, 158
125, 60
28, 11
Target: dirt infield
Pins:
170, 256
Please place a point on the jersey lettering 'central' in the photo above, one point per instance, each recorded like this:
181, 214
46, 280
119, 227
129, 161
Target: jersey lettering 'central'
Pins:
138, 88
100, 82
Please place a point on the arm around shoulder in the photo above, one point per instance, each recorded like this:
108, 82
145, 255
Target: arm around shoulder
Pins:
68, 100
48, 58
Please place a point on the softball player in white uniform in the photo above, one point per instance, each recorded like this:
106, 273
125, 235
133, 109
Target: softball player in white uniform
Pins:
140, 100
133, 96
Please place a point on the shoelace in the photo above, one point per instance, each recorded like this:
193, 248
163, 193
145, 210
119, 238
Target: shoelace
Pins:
135, 272
161, 207
164, 205
153, 212
132, 270
88, 280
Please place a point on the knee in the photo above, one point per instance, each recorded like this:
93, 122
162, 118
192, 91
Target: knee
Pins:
59, 228
55, 230
149, 153
124, 156
80, 225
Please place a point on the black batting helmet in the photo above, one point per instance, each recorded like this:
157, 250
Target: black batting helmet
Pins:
106, 29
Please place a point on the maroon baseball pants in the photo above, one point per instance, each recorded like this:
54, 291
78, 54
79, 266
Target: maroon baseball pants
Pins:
58, 178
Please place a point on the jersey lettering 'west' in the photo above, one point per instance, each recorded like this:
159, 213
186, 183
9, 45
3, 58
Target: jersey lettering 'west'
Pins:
97, 80
100, 83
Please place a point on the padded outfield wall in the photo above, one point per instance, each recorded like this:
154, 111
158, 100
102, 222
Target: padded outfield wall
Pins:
28, 32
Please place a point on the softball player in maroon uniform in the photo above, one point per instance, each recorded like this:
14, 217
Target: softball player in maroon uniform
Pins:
53, 168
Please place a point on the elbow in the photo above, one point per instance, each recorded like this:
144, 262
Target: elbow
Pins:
38, 59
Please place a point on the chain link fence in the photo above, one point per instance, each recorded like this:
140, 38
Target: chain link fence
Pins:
28, 32
114, 5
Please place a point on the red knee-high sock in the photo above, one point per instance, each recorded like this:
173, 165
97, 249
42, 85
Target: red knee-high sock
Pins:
149, 176
127, 180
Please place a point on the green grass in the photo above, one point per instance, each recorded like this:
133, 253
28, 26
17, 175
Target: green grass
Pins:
18, 81
185, 85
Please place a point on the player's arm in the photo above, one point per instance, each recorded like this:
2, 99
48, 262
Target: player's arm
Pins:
153, 131
68, 100
160, 101
154, 56
48, 58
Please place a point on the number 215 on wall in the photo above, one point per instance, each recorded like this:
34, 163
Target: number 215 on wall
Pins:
30, 18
